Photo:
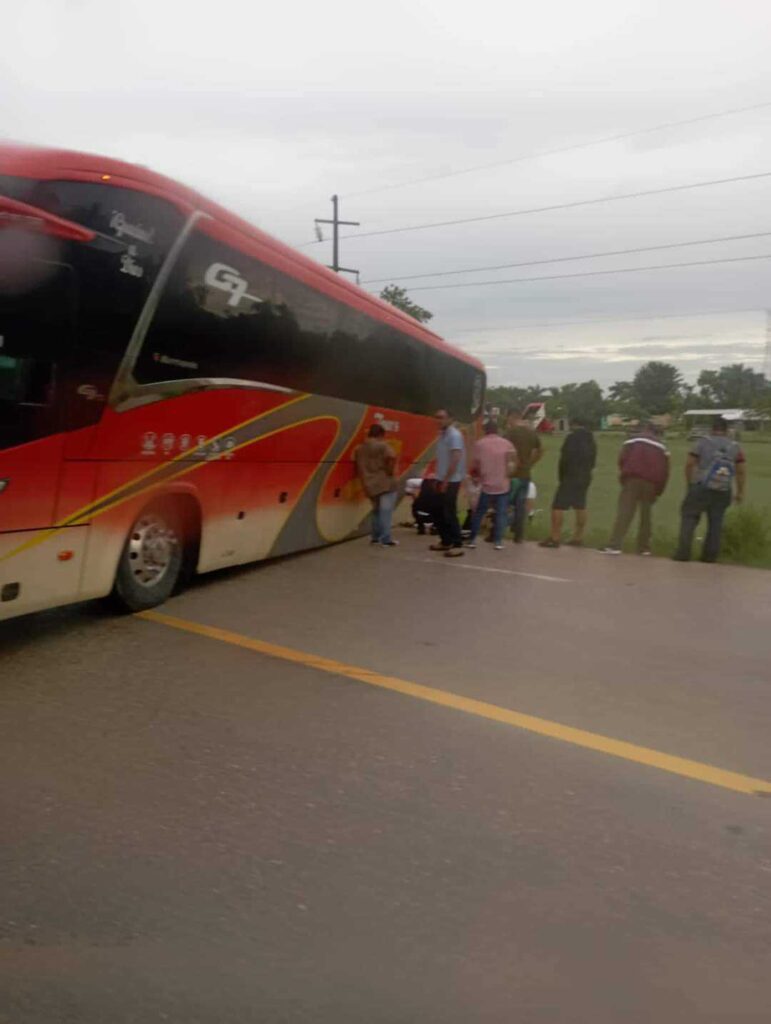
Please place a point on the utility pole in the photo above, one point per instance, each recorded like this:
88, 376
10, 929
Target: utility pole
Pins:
336, 222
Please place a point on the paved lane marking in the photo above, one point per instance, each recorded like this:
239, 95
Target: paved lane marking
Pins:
485, 568
578, 737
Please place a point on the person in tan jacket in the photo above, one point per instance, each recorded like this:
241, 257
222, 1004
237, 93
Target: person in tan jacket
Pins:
375, 467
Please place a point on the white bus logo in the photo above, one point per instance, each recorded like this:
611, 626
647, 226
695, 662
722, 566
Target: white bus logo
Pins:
227, 279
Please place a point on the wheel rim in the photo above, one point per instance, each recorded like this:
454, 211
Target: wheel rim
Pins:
151, 549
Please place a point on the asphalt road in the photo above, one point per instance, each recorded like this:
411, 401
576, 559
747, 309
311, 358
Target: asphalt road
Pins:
196, 831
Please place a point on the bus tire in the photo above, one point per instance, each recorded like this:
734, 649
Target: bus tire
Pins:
151, 561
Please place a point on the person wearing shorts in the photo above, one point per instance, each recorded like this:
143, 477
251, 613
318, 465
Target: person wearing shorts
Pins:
577, 459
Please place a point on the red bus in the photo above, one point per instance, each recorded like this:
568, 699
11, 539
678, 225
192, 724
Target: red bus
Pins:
180, 392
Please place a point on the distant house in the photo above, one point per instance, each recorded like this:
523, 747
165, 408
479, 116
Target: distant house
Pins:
738, 419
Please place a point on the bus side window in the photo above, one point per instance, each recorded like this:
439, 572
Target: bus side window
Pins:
214, 315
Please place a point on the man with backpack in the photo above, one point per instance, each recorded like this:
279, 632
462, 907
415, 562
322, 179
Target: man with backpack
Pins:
714, 463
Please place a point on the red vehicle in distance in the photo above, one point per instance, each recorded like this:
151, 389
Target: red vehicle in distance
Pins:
180, 392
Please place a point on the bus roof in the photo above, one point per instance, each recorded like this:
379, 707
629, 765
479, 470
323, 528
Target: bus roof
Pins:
44, 163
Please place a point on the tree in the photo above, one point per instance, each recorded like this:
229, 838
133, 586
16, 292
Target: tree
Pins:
398, 297
733, 387
512, 397
622, 400
656, 387
578, 402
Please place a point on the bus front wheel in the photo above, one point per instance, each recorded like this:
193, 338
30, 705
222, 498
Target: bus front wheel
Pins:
151, 561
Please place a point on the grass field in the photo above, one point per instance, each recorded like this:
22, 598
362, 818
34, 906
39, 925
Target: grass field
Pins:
603, 495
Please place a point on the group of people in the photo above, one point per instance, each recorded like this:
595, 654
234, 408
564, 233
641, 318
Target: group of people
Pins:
497, 478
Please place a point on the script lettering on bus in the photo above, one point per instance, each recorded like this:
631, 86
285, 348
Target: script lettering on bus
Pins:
128, 264
391, 426
139, 232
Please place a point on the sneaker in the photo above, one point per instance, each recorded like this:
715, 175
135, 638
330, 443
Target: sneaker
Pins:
470, 544
439, 547
610, 551
549, 543
373, 540
453, 553
575, 543
499, 547
390, 543
646, 553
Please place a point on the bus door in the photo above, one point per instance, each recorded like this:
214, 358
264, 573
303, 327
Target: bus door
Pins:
37, 305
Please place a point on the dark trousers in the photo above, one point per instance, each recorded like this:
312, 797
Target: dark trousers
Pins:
634, 493
446, 516
519, 509
697, 500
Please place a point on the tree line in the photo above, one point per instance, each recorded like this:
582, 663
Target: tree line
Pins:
656, 389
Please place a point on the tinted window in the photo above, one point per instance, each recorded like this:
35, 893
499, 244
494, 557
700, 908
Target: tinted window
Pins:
110, 280
226, 315
37, 312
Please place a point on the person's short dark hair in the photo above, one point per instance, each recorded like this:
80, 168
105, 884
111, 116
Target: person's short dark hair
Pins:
490, 427
376, 430
446, 411
514, 411
720, 424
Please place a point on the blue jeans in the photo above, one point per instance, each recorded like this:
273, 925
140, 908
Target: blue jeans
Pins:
499, 502
382, 513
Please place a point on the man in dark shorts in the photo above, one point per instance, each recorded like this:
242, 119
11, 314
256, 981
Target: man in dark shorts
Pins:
577, 459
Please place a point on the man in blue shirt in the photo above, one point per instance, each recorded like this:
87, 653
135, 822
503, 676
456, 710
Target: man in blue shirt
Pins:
450, 472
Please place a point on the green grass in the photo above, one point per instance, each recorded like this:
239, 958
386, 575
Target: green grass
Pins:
739, 546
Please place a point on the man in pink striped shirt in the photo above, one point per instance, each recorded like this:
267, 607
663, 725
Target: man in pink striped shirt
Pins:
493, 463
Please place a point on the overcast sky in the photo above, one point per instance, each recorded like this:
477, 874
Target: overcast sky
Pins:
271, 107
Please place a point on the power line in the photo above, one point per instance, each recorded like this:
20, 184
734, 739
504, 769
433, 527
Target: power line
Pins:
608, 320
592, 273
562, 149
558, 206
567, 259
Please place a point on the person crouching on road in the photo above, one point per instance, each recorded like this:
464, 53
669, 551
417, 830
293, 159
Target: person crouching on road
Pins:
375, 466
450, 472
493, 464
577, 459
644, 470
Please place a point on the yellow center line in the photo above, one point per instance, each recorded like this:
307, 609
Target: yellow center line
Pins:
481, 709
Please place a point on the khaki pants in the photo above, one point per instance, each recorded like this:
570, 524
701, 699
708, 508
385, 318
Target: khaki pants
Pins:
634, 492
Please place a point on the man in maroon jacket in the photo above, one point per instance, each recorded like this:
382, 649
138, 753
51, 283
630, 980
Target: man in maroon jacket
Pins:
643, 463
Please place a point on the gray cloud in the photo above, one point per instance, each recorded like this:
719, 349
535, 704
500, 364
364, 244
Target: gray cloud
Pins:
271, 109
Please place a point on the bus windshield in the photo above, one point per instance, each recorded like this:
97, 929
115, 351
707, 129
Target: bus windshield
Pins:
38, 299
70, 297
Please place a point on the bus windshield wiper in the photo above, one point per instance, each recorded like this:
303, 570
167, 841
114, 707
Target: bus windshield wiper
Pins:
14, 213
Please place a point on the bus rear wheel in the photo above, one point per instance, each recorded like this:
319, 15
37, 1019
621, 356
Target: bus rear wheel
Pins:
151, 561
